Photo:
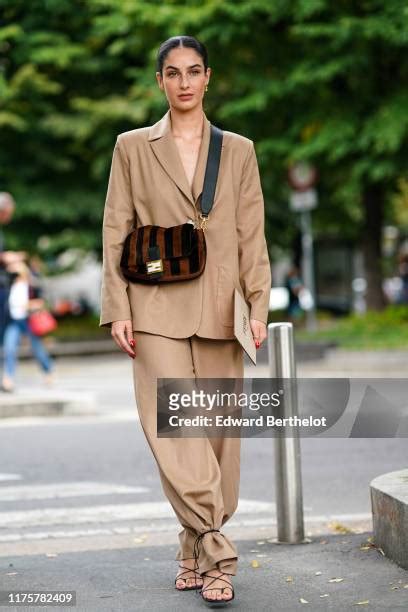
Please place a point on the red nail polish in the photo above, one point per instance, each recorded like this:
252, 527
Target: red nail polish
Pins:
257, 344
132, 342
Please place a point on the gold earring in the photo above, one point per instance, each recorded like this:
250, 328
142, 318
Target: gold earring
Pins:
206, 88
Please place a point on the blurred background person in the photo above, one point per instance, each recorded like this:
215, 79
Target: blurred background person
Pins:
7, 207
19, 307
403, 274
36, 271
294, 285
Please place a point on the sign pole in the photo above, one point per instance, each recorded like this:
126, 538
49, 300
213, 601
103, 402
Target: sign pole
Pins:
307, 266
302, 178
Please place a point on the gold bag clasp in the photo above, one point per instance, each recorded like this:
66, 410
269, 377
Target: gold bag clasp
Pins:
203, 222
156, 265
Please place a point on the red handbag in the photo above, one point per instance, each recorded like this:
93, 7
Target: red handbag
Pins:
42, 322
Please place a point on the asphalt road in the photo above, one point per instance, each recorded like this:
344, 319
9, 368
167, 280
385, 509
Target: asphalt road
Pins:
85, 490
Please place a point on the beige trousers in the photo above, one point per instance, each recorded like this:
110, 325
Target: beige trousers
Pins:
200, 476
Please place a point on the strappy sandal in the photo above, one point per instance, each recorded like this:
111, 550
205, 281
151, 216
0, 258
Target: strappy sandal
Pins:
217, 602
188, 588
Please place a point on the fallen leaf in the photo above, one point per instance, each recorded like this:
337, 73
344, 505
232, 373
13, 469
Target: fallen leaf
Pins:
339, 527
370, 539
362, 603
254, 563
289, 579
365, 547
381, 551
303, 600
336, 579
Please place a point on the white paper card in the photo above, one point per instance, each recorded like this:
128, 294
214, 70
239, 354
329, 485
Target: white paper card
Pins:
242, 328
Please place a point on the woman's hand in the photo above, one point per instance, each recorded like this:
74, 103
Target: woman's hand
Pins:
122, 333
258, 329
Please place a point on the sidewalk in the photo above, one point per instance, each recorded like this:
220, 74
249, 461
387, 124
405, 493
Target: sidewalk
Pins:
286, 577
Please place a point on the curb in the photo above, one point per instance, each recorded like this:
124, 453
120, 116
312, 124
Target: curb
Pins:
389, 500
305, 351
42, 403
68, 349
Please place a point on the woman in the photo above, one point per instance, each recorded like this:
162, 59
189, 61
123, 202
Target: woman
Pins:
19, 306
186, 329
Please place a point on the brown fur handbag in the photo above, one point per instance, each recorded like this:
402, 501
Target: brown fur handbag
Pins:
155, 254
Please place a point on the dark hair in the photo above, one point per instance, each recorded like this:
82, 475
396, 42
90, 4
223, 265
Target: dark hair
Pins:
180, 41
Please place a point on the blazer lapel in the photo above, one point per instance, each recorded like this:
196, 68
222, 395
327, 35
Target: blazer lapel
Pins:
166, 152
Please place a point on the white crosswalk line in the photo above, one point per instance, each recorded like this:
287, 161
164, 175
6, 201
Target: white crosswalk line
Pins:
106, 513
6, 477
170, 526
66, 489
56, 522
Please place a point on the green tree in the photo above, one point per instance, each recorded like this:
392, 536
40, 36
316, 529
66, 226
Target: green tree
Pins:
307, 79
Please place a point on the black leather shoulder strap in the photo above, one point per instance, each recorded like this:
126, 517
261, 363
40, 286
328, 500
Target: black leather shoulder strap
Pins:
211, 171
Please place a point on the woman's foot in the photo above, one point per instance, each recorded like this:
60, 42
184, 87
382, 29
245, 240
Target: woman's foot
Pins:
7, 384
216, 587
189, 579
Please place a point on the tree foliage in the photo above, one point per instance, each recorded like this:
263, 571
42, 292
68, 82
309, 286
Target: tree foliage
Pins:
307, 79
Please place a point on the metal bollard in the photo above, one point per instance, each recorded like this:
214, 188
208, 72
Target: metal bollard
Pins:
289, 499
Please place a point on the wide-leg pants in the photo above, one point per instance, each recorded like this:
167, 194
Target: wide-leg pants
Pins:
200, 476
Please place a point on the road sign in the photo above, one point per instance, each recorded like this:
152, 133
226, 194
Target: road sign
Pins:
302, 176
303, 200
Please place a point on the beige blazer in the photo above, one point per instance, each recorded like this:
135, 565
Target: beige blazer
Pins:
148, 185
